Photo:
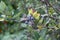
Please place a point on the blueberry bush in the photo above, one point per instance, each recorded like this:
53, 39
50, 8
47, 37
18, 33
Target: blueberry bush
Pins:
29, 19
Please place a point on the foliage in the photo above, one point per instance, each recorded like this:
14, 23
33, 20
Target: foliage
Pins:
29, 19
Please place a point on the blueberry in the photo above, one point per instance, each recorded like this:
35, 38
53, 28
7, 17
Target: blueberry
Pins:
32, 18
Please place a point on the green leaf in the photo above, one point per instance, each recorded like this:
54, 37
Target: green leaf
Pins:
2, 6
17, 15
36, 35
43, 34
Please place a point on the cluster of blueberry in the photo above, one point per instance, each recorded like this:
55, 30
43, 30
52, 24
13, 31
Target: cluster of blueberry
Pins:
27, 19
